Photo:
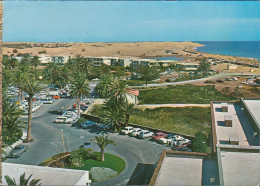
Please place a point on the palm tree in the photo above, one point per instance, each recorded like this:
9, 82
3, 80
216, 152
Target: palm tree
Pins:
50, 70
23, 181
5, 61
26, 61
103, 86
35, 62
79, 88
204, 66
102, 141
13, 62
114, 115
128, 108
119, 90
31, 86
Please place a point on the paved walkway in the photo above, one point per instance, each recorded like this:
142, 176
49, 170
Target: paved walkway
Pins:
152, 106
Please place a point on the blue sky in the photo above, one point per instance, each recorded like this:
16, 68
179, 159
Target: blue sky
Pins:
113, 21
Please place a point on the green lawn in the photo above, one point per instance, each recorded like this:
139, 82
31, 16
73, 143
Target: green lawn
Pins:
185, 120
182, 94
111, 161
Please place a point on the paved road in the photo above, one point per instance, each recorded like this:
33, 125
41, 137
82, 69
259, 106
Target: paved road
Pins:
138, 154
170, 105
210, 78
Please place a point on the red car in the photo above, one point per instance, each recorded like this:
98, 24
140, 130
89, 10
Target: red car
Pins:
158, 135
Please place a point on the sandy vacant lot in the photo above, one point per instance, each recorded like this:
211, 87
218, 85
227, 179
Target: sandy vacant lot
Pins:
103, 49
135, 49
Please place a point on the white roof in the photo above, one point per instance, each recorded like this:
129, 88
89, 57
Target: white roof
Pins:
254, 108
222, 132
48, 175
239, 168
180, 170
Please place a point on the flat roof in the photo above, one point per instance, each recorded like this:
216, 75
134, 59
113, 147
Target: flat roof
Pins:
223, 133
178, 168
239, 168
254, 108
48, 175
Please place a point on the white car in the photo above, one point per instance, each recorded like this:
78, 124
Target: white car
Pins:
60, 120
136, 132
127, 130
177, 137
180, 142
145, 134
167, 139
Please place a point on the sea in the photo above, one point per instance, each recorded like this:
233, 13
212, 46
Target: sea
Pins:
248, 49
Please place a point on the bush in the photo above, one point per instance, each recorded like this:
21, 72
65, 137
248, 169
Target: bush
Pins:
9, 137
199, 143
15, 51
42, 52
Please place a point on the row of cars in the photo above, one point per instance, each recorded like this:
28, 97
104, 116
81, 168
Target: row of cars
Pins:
68, 117
176, 142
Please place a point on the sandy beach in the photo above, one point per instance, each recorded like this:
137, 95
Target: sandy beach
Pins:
186, 50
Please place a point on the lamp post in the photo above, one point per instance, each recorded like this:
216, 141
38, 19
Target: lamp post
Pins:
62, 140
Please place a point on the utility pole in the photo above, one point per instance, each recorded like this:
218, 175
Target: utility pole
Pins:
1, 79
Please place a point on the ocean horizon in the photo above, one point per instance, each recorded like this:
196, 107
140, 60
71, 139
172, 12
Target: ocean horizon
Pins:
248, 49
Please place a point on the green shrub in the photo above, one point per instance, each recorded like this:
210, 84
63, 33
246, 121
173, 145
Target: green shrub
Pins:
199, 143
9, 137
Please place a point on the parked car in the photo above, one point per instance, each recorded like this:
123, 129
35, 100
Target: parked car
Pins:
105, 127
86, 145
127, 130
177, 137
87, 124
183, 142
47, 100
158, 135
136, 132
17, 151
60, 120
183, 148
167, 139
145, 134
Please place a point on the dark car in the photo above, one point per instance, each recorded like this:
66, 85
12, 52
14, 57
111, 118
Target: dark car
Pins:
86, 145
88, 124
186, 149
17, 151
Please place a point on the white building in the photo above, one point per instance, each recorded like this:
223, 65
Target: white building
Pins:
48, 175
44, 58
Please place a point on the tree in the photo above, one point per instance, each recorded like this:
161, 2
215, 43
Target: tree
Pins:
35, 62
114, 113
13, 62
103, 86
31, 86
128, 108
26, 61
23, 181
102, 141
5, 61
11, 120
79, 88
50, 71
204, 66
148, 73
199, 143
118, 88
